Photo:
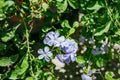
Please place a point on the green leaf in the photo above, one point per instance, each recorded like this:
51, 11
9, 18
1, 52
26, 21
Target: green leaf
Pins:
7, 4
109, 76
9, 35
46, 28
73, 3
20, 68
119, 71
103, 29
2, 46
118, 32
45, 6
96, 6
14, 58
80, 59
65, 23
2, 16
29, 78
71, 31
61, 6
75, 24
1, 3
100, 62
6, 61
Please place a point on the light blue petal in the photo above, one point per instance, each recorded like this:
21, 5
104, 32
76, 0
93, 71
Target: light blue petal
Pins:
61, 39
73, 57
85, 77
46, 49
56, 34
60, 57
82, 39
40, 56
57, 44
46, 40
50, 35
49, 54
40, 51
47, 58
90, 72
66, 59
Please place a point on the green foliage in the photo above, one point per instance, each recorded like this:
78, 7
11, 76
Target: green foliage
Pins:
80, 60
109, 76
7, 61
2, 46
74, 3
100, 62
103, 29
24, 24
20, 68
61, 6
9, 34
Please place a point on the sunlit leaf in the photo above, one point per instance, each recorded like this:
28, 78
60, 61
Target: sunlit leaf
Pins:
20, 68
100, 62
1, 3
61, 6
6, 61
2, 16
71, 31
46, 28
73, 3
109, 76
96, 7
29, 78
80, 59
103, 29
7, 4
9, 35
119, 71
65, 23
118, 32
76, 24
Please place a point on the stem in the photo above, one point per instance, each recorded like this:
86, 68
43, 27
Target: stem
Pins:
28, 50
27, 37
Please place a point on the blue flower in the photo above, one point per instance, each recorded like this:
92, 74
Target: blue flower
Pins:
82, 39
104, 48
91, 40
96, 51
85, 77
69, 46
67, 57
46, 54
52, 38
59, 41
90, 72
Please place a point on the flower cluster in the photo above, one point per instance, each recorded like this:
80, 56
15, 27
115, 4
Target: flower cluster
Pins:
46, 54
85, 77
53, 39
96, 50
68, 46
101, 50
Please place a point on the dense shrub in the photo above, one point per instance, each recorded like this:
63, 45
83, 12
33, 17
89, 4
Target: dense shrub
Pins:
84, 32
